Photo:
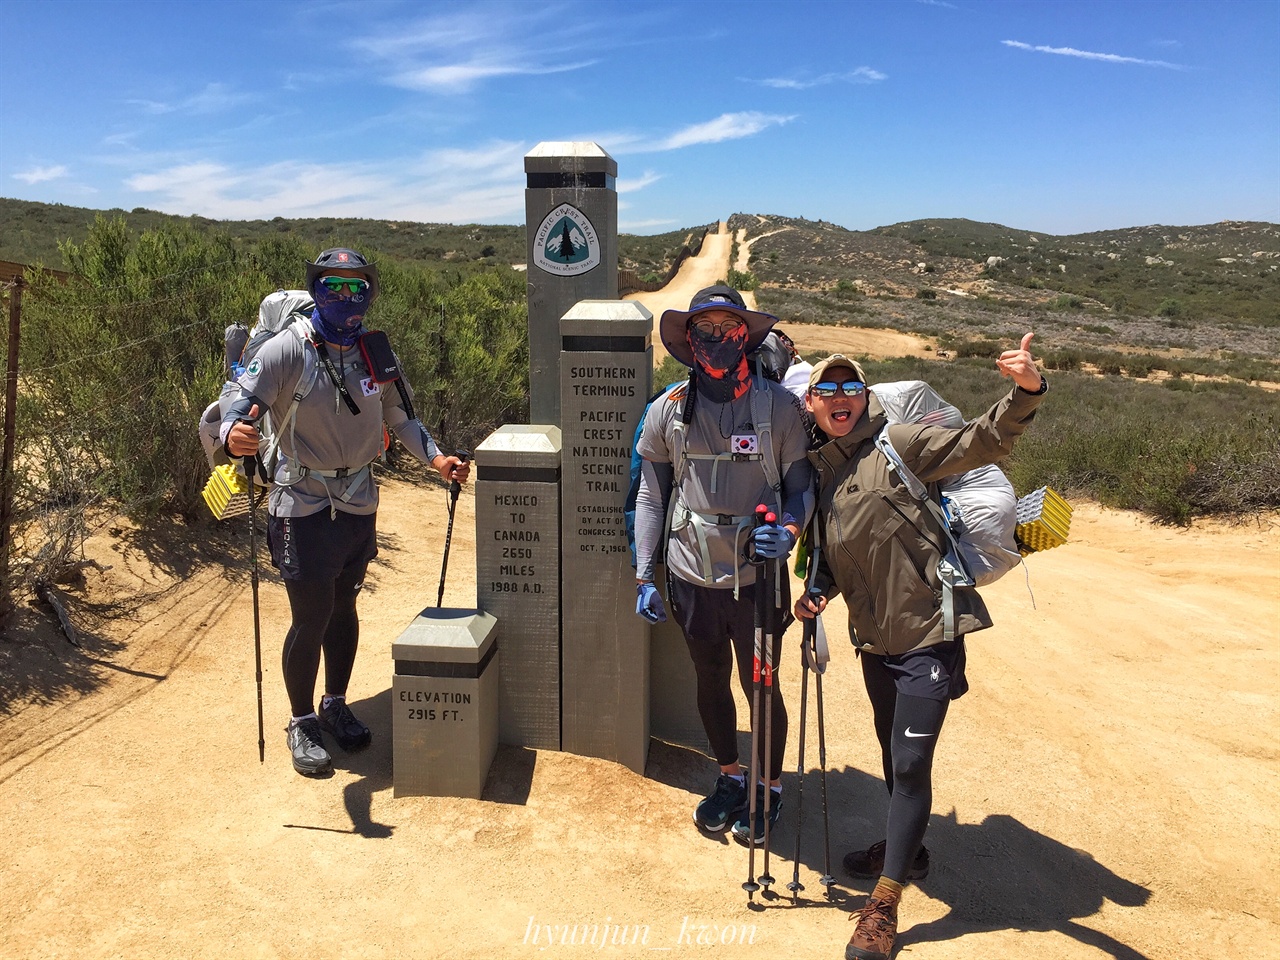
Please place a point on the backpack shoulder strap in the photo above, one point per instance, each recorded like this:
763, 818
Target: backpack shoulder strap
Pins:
762, 417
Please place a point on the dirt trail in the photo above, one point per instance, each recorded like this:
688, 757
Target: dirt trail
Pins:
1107, 789
712, 264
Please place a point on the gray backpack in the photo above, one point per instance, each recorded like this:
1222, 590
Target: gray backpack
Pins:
279, 311
977, 510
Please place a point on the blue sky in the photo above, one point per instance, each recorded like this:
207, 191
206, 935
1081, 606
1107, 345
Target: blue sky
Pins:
1059, 117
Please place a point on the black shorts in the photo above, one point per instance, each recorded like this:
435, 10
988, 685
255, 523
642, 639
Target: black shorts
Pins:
316, 547
935, 672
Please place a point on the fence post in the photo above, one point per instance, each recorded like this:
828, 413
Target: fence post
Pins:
10, 430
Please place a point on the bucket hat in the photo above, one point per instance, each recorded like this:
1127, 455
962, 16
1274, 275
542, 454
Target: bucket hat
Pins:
675, 323
340, 258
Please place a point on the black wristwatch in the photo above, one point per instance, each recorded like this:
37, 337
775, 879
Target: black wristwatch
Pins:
1044, 385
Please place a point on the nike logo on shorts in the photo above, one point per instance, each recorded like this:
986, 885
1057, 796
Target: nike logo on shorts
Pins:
908, 733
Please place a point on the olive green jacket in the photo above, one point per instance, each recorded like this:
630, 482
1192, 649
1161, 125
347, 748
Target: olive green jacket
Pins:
880, 546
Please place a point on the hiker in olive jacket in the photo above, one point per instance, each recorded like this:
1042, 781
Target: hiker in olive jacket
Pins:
880, 548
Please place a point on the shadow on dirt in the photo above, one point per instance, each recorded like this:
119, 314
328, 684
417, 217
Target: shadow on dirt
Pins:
995, 875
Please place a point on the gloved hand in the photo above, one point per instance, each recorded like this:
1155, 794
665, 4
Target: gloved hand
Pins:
649, 603
772, 541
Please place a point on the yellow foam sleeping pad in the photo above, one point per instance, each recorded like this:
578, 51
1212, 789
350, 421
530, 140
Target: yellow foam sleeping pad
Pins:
1044, 520
227, 492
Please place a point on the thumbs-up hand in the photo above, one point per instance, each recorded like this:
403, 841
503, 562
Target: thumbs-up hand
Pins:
1019, 365
243, 438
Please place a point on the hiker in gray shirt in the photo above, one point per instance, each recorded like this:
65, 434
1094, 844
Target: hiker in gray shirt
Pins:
327, 410
714, 449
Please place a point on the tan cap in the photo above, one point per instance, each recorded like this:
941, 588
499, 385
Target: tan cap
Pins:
835, 360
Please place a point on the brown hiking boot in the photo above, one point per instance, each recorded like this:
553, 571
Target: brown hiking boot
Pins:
877, 927
870, 862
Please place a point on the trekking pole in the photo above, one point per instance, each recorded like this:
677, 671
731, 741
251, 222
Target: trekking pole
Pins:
770, 585
455, 488
251, 474
795, 886
826, 879
754, 767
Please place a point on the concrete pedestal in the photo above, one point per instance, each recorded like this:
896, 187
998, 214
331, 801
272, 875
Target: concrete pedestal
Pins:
444, 704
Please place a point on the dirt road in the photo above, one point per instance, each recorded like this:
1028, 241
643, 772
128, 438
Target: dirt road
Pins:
1107, 789
712, 265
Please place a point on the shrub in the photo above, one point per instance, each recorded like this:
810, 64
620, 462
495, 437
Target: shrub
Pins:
742, 280
1066, 301
1169, 307
926, 294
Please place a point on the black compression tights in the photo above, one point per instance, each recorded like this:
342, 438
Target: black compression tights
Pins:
324, 618
907, 759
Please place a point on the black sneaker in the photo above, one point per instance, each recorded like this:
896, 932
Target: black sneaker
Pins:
338, 720
740, 832
726, 801
870, 862
310, 758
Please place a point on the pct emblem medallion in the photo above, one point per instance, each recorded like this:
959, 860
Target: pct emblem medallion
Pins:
566, 243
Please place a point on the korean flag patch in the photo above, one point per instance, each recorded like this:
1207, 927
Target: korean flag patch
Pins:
744, 443
369, 387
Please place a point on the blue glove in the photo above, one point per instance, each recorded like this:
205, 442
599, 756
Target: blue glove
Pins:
773, 542
649, 603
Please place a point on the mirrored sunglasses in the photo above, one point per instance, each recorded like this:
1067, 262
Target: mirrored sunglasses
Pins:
708, 330
828, 388
349, 284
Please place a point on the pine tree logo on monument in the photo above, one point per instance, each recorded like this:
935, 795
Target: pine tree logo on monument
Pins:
566, 243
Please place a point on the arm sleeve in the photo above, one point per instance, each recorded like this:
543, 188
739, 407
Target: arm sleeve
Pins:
239, 410
651, 513
935, 453
797, 493
416, 438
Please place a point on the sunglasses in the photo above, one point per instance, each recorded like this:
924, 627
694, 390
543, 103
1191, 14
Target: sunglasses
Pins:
828, 388
708, 330
350, 284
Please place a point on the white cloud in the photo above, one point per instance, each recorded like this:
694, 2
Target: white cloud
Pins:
727, 126
454, 185
859, 75
41, 174
1087, 55
641, 224
455, 52
638, 183
214, 98
461, 77
938, 3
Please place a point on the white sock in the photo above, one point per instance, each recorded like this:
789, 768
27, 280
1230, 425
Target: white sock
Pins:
327, 700
740, 777
309, 716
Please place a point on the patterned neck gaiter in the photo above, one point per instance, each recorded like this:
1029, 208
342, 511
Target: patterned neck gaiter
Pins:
339, 320
721, 365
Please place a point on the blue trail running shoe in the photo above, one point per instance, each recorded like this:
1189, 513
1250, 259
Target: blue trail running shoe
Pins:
338, 720
740, 832
727, 800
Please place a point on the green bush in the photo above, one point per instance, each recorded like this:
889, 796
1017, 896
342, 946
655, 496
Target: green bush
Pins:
1066, 301
1169, 307
926, 294
742, 280
119, 363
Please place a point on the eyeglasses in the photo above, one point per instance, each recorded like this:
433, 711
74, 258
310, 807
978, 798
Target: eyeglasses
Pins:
350, 284
828, 388
709, 330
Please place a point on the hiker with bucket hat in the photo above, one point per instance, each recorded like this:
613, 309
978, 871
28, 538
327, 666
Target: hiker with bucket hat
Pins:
713, 450
327, 408
882, 552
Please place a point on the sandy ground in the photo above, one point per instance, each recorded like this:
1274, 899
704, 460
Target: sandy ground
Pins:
1108, 788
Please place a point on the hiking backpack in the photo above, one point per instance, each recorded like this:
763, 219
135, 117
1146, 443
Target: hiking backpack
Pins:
279, 311
977, 510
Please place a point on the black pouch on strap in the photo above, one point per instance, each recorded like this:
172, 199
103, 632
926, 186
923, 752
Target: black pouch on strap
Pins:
384, 365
